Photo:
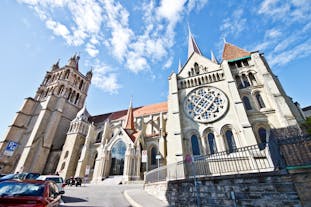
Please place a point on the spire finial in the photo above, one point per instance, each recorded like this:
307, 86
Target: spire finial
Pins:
192, 45
179, 66
213, 59
129, 121
224, 39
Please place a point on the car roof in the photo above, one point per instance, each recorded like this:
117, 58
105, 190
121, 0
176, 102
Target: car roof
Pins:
27, 181
50, 176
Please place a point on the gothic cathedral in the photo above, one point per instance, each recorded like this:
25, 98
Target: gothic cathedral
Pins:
212, 107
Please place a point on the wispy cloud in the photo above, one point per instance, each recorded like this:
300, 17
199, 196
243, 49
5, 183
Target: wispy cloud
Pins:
105, 79
97, 24
234, 24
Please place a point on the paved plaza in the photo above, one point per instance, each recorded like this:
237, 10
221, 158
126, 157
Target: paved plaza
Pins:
97, 195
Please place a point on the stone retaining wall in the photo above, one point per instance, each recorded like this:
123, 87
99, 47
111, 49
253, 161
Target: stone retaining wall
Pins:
265, 189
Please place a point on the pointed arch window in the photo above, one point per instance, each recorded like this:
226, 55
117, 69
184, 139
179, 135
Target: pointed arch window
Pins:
247, 103
61, 89
153, 156
260, 102
211, 143
195, 145
245, 80
252, 79
99, 137
238, 81
230, 141
196, 69
262, 132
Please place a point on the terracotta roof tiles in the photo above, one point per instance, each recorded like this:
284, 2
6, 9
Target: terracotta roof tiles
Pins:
138, 111
231, 52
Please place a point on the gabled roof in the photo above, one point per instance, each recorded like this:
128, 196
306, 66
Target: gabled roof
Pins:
231, 52
139, 111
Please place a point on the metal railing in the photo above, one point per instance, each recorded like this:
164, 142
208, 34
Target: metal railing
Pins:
250, 159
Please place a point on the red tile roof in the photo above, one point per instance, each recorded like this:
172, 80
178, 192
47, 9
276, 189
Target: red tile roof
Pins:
231, 52
139, 111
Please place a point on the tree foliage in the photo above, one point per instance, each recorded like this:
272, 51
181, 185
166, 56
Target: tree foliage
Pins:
307, 125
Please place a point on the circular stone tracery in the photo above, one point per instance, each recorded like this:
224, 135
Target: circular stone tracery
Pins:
206, 104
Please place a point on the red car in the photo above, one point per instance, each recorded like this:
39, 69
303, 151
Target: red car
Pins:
29, 193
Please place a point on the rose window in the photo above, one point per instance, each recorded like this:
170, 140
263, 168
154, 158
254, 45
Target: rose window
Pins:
206, 104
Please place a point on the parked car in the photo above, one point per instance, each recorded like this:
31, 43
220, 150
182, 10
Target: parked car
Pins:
7, 177
57, 179
30, 193
26, 176
21, 176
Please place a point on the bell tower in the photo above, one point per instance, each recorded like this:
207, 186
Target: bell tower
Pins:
39, 128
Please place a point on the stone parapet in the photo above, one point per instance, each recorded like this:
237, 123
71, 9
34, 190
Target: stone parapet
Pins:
265, 189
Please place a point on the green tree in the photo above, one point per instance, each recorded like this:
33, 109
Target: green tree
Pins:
307, 125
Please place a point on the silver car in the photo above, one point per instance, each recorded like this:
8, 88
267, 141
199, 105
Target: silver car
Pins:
57, 179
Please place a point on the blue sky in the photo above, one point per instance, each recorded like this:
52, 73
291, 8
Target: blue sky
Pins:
133, 46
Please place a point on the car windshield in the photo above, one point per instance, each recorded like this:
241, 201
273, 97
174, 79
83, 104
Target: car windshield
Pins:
21, 189
55, 179
24, 176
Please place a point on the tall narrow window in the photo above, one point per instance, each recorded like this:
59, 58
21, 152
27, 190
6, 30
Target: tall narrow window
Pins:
245, 80
230, 141
246, 103
260, 102
99, 137
238, 81
211, 143
153, 156
262, 132
195, 145
253, 79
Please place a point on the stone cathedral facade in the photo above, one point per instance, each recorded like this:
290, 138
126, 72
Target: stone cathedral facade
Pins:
212, 107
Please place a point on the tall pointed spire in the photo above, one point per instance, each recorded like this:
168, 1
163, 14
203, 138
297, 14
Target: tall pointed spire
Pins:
129, 121
192, 45
214, 60
179, 66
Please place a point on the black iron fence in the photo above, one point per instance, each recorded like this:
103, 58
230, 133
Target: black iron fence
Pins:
279, 153
250, 159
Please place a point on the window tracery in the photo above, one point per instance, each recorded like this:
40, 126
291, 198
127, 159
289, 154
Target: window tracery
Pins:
205, 104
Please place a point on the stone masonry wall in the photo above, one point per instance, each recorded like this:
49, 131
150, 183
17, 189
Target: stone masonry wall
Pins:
265, 189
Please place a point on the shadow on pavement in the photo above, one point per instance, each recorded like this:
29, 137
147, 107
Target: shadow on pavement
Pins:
68, 199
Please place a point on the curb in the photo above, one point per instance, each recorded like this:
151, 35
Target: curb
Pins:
130, 200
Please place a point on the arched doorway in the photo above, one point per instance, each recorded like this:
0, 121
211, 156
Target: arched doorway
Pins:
117, 158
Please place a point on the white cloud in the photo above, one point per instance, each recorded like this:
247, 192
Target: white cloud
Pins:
98, 24
233, 25
196, 4
168, 63
272, 33
58, 28
91, 50
299, 51
136, 63
105, 79
171, 10
116, 17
